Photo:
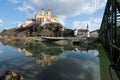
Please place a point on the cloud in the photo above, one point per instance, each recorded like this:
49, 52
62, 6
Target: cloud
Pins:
61, 19
64, 7
15, 23
93, 23
28, 9
73, 67
14, 1
1, 49
1, 22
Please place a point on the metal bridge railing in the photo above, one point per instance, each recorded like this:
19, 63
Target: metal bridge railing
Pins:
109, 33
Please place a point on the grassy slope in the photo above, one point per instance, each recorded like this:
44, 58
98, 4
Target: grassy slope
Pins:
104, 65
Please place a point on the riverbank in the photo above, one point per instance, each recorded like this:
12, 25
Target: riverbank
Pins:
104, 65
18, 39
73, 40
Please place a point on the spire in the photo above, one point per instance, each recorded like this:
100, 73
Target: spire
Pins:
42, 11
87, 27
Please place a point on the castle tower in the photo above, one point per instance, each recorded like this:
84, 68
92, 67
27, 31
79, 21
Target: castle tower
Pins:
42, 12
44, 17
49, 13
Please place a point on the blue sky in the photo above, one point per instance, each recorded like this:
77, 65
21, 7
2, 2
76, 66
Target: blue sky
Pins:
71, 13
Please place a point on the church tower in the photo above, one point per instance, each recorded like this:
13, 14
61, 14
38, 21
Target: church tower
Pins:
49, 13
87, 26
88, 33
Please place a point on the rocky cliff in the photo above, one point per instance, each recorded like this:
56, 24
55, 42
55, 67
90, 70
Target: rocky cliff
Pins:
50, 29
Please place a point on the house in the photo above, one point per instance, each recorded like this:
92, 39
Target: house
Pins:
94, 33
82, 32
28, 22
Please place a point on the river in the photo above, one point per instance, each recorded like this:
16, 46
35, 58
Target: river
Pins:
48, 61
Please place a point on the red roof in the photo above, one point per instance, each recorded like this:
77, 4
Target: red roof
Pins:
30, 19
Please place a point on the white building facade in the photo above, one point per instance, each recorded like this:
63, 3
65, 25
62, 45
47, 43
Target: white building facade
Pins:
82, 32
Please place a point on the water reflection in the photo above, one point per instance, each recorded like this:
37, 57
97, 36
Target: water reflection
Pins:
45, 60
27, 53
42, 59
73, 66
49, 62
1, 49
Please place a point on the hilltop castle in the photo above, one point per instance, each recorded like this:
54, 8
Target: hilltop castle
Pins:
41, 18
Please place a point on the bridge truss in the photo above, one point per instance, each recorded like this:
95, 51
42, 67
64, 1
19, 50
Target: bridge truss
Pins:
109, 33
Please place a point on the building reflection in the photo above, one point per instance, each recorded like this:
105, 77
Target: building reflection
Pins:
19, 50
45, 60
27, 53
42, 59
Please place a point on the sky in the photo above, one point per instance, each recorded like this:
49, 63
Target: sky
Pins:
71, 13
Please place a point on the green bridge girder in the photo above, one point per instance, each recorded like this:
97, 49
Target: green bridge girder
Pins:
109, 33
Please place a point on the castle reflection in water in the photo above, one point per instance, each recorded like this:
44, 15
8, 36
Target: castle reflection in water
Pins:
42, 59
45, 60
33, 60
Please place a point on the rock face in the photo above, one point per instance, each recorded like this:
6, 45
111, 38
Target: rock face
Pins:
50, 29
15, 32
9, 75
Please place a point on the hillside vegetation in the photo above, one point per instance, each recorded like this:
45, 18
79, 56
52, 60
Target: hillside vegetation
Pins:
50, 30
